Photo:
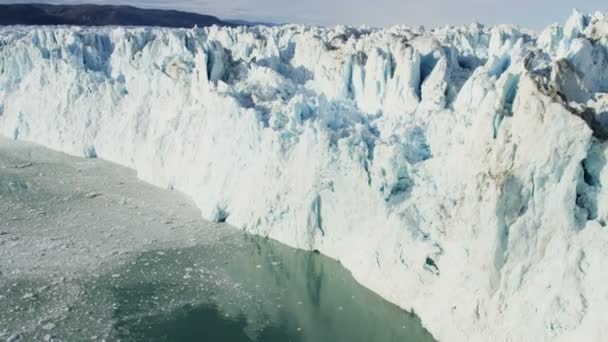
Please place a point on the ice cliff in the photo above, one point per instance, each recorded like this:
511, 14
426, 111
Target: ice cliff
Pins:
458, 171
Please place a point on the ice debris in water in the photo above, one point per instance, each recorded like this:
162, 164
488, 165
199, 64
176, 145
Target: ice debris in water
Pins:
92, 194
48, 326
13, 338
29, 295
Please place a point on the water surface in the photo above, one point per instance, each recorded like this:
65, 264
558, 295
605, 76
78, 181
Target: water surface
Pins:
90, 253
248, 289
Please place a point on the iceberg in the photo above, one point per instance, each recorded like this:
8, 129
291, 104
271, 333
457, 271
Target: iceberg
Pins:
456, 171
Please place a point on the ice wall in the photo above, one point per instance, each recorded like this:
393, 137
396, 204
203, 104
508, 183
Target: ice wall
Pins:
457, 171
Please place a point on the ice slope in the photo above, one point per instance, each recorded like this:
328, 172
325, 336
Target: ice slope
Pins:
458, 171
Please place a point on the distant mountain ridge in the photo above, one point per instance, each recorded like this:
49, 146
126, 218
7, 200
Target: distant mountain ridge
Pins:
101, 15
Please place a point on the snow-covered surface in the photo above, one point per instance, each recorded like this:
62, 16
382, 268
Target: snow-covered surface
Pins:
456, 171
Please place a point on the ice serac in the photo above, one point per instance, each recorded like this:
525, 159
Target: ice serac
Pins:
458, 172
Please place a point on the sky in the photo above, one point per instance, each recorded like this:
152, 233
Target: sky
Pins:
534, 14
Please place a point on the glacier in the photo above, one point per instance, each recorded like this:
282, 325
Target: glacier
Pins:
456, 171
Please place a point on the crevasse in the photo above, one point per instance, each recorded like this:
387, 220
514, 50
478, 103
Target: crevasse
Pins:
457, 171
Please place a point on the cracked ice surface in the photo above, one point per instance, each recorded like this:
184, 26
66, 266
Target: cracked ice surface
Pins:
457, 171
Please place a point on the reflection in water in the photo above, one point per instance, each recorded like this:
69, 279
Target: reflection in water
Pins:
249, 289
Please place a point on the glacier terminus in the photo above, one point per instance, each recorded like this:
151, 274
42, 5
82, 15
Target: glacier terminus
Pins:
458, 172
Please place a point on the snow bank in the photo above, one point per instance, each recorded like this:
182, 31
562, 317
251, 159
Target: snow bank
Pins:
458, 171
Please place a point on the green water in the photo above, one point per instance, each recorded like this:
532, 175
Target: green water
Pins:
72, 268
249, 289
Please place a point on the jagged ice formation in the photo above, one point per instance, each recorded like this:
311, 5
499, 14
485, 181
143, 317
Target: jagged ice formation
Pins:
458, 171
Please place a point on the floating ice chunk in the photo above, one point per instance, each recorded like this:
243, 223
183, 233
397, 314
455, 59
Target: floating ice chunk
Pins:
48, 326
